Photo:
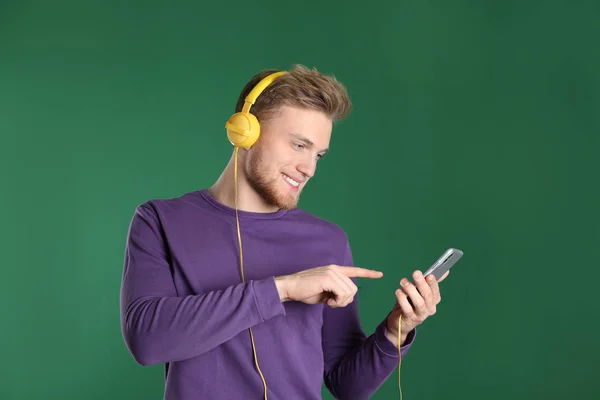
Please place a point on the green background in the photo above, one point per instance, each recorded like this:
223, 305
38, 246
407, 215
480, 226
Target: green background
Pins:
476, 125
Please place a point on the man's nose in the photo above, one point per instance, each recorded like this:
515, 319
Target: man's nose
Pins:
307, 167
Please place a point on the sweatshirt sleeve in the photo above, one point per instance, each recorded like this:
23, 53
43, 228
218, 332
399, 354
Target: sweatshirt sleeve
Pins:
158, 325
356, 365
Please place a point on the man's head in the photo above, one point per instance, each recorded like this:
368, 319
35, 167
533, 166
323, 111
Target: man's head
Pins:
296, 115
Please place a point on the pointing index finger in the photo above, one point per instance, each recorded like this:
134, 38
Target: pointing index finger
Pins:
357, 272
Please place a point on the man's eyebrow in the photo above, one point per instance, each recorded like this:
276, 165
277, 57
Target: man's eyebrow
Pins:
307, 141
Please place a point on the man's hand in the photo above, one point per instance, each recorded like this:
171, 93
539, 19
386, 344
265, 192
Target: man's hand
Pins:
416, 302
329, 284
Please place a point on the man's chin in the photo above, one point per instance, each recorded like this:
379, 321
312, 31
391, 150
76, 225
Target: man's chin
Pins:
287, 202
278, 197
288, 206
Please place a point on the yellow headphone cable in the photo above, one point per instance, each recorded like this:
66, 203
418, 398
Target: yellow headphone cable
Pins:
242, 266
399, 353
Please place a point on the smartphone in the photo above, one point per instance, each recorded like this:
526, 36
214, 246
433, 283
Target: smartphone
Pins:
444, 263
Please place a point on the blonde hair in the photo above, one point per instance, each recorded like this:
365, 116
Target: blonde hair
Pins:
300, 87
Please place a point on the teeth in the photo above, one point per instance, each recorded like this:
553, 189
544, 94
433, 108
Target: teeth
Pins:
290, 180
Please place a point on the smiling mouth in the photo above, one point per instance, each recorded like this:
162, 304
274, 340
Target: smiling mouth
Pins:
292, 182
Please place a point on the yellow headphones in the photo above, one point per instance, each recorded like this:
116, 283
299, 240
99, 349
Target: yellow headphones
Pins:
242, 127
243, 131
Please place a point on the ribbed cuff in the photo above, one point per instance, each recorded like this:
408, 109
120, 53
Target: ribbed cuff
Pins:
386, 346
267, 299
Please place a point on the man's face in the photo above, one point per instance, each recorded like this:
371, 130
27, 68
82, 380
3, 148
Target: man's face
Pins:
285, 156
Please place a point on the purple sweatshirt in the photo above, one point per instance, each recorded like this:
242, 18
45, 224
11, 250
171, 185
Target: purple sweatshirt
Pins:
183, 304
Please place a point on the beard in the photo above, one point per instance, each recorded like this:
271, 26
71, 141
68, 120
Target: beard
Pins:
269, 188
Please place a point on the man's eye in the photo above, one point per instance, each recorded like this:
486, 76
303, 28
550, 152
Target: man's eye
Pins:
298, 145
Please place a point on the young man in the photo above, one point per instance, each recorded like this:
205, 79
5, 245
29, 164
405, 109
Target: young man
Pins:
277, 316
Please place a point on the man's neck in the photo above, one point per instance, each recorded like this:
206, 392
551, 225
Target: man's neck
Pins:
223, 191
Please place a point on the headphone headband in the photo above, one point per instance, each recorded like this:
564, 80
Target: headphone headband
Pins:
258, 89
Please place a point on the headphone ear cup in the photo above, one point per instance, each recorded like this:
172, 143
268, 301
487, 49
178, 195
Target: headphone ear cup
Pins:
243, 129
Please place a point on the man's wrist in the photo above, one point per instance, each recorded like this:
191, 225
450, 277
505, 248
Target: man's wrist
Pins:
280, 283
393, 337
